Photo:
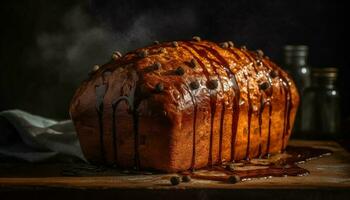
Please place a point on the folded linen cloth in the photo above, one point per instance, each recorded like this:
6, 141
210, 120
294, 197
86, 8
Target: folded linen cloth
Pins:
35, 139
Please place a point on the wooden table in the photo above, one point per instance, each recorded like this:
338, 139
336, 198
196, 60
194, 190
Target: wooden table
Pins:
329, 179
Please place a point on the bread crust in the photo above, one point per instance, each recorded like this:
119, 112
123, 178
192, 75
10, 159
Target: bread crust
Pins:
184, 105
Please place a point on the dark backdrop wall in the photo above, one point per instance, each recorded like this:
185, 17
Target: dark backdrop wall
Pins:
48, 47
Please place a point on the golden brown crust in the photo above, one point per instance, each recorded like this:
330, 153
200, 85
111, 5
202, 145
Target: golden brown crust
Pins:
189, 104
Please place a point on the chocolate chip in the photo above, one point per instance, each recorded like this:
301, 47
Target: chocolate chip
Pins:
142, 53
159, 88
264, 86
230, 167
95, 68
186, 178
196, 38
234, 179
153, 67
175, 180
156, 42
175, 44
193, 63
194, 85
212, 84
180, 71
260, 53
115, 57
230, 44
273, 73
224, 45
118, 53
157, 65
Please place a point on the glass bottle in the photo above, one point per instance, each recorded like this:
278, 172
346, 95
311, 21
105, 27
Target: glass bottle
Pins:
295, 62
321, 112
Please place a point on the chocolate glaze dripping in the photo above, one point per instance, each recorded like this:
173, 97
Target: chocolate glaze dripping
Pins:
100, 124
132, 106
136, 97
270, 105
222, 60
230, 74
100, 93
270, 114
212, 113
269, 131
287, 108
236, 109
263, 102
213, 101
114, 131
235, 117
206, 73
261, 110
269, 94
253, 61
249, 101
249, 119
288, 104
233, 52
135, 116
221, 131
285, 166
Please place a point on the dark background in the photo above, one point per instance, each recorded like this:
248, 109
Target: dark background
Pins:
48, 47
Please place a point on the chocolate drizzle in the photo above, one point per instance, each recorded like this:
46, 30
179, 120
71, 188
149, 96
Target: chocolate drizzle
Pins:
114, 131
247, 156
132, 107
281, 165
287, 108
216, 61
235, 113
261, 110
135, 118
213, 98
223, 63
100, 93
196, 61
235, 117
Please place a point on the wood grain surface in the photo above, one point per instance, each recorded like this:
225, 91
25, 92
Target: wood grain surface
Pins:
330, 173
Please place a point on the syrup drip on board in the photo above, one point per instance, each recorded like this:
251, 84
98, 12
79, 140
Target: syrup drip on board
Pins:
279, 165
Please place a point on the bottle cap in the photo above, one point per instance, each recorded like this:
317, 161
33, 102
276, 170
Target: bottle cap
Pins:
328, 72
296, 50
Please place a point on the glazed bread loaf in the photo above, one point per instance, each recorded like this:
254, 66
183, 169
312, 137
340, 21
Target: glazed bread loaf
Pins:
184, 105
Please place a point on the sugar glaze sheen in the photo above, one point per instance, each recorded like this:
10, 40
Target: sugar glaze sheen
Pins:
183, 105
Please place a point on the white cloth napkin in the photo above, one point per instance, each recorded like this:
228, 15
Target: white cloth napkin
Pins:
35, 139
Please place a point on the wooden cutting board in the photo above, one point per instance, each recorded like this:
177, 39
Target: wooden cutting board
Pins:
329, 178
